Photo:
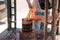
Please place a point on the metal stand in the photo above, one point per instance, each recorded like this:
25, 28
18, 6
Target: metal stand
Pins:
11, 13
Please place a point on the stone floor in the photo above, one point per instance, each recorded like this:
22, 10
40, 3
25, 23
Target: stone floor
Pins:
14, 35
9, 35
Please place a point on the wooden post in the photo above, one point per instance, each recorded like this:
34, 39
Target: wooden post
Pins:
59, 6
54, 11
59, 15
46, 20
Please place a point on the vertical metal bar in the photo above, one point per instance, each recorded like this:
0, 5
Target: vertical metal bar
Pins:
54, 9
46, 19
15, 12
9, 13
